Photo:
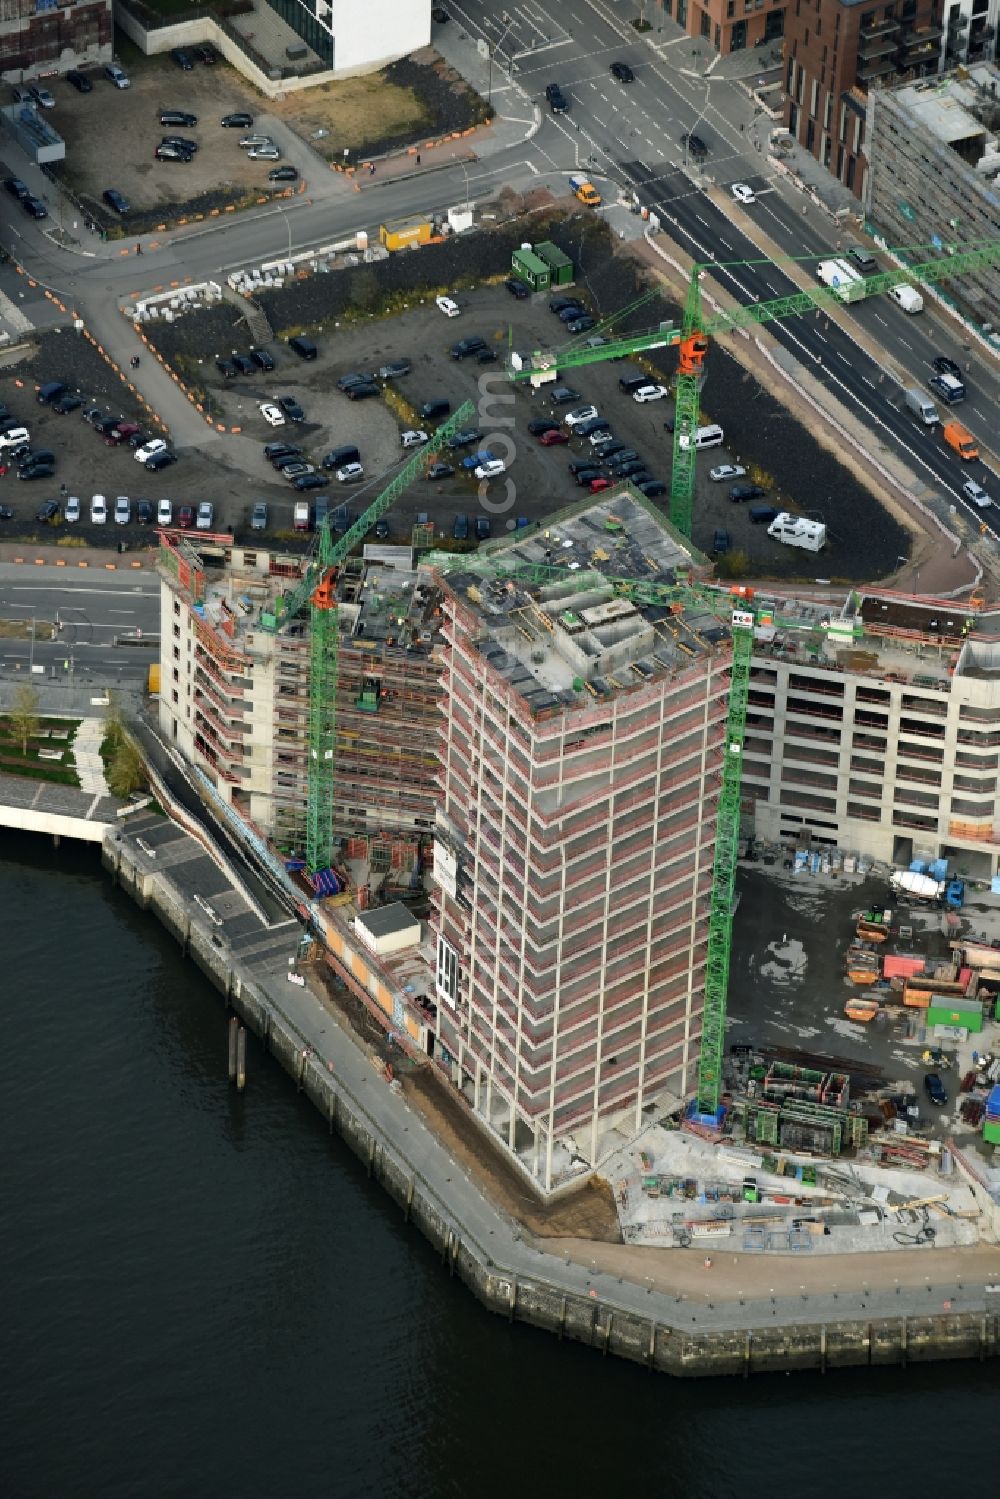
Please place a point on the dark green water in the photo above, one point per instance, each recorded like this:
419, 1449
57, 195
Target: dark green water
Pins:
205, 1296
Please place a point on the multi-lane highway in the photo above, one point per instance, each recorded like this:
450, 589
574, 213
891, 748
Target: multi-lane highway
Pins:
107, 624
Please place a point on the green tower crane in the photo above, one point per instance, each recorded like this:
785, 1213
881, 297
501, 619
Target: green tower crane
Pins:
316, 589
692, 339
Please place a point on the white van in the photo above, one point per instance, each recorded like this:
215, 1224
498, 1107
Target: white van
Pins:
706, 437
907, 297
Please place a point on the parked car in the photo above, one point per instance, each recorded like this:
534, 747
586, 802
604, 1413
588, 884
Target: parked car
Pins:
741, 492
460, 528
579, 415
303, 347
381, 530
294, 469
596, 485
250, 141
723, 471
283, 174
121, 432
116, 201
262, 359
117, 75
205, 516
162, 459
264, 153
282, 449
48, 513
123, 510
553, 437
143, 454
98, 510
185, 517
447, 306
467, 346
483, 528
647, 393
652, 488
571, 312
720, 542
258, 517
243, 363
205, 54
291, 408
80, 81
178, 117
170, 151
586, 476
588, 428
144, 512
439, 471
561, 395
68, 401
544, 424
40, 469
351, 473
49, 392
491, 469
464, 438
362, 392
71, 510
518, 289
183, 59
164, 512
42, 96
581, 324
312, 480
237, 121
272, 414
394, 370
413, 438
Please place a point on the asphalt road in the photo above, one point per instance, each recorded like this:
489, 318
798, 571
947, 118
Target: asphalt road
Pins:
94, 614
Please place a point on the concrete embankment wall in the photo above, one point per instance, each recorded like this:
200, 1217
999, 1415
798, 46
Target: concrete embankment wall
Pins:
659, 1340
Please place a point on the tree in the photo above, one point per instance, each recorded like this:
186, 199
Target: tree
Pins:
23, 716
127, 770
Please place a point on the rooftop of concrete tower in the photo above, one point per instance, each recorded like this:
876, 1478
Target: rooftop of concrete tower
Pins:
563, 632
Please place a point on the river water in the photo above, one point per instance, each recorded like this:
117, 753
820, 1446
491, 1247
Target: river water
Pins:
203, 1295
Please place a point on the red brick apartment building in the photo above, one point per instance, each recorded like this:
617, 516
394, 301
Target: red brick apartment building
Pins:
42, 36
730, 25
835, 50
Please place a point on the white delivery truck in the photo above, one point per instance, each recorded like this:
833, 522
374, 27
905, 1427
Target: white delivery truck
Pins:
907, 297
922, 407
849, 285
796, 531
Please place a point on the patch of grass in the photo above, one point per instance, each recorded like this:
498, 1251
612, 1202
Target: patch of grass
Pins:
60, 775
72, 541
369, 109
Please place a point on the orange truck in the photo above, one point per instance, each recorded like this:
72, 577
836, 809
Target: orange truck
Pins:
961, 440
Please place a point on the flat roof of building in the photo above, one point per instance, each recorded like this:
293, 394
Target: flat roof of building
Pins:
947, 107
565, 633
390, 606
387, 920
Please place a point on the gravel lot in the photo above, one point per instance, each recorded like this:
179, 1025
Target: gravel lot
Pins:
800, 475
111, 135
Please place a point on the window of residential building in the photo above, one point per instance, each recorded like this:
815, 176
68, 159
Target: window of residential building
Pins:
730, 8
718, 38
827, 150
447, 971
849, 178
682, 12
810, 134
706, 24
739, 37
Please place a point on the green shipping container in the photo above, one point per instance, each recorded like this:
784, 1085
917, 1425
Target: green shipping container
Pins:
560, 266
526, 264
967, 1013
991, 1133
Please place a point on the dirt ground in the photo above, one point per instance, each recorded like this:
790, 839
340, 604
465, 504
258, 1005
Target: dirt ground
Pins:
414, 99
111, 135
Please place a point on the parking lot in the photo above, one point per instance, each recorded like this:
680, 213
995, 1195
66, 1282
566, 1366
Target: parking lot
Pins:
111, 135
779, 456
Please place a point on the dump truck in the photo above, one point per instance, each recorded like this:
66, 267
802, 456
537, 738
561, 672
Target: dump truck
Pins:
585, 190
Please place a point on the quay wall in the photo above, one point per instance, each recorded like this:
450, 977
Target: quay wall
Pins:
495, 1274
